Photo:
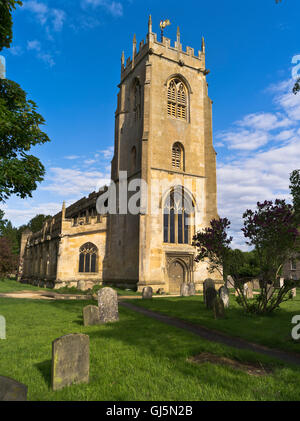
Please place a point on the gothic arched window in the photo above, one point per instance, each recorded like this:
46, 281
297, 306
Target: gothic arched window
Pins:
177, 99
178, 217
178, 156
88, 258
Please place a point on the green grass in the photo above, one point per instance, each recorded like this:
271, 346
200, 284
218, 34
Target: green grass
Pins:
134, 359
11, 285
273, 330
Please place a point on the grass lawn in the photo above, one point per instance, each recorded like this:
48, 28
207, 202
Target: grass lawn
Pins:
135, 359
273, 330
11, 285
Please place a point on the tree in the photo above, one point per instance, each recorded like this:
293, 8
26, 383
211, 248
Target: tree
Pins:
6, 9
8, 261
213, 246
272, 230
36, 223
19, 131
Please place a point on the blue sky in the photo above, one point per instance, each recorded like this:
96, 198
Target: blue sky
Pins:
66, 55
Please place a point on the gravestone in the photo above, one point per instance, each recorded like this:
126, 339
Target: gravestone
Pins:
147, 293
70, 360
230, 282
108, 305
11, 390
294, 292
218, 308
91, 315
256, 284
281, 282
81, 285
192, 288
270, 290
184, 290
224, 295
248, 290
208, 283
210, 295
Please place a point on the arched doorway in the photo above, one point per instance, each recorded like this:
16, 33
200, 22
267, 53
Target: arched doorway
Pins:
177, 275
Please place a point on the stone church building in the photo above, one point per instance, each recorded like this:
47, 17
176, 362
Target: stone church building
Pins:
163, 136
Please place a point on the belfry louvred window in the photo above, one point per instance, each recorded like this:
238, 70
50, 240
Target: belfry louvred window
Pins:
177, 99
177, 156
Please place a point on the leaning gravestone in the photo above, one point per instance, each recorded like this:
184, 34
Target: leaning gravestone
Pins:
210, 295
192, 288
108, 305
208, 283
270, 290
218, 308
11, 390
224, 295
230, 281
184, 290
91, 315
147, 293
70, 360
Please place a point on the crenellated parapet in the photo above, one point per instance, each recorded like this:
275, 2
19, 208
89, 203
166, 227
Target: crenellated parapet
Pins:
164, 49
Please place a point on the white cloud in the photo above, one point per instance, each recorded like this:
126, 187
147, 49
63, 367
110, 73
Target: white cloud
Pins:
34, 45
115, 8
53, 18
245, 180
66, 182
244, 139
16, 50
108, 152
21, 215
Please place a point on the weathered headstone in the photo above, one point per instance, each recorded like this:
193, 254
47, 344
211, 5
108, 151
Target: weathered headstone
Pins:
108, 305
81, 285
184, 290
256, 284
230, 282
147, 293
70, 360
248, 290
210, 295
11, 390
218, 308
91, 315
270, 290
192, 288
294, 292
208, 283
224, 295
281, 282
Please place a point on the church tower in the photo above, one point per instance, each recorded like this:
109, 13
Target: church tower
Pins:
163, 135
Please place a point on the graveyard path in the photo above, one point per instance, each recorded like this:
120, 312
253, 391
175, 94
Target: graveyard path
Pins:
216, 336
